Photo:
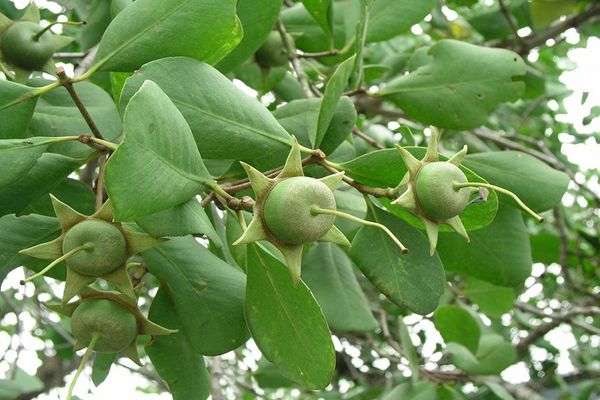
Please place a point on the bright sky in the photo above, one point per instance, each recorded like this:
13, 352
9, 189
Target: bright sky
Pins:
122, 384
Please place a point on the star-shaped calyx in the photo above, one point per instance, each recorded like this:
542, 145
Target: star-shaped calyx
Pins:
427, 190
108, 321
91, 247
287, 211
31, 16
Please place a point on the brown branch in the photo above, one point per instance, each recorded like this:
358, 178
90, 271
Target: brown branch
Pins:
358, 133
296, 65
533, 40
318, 54
510, 19
66, 82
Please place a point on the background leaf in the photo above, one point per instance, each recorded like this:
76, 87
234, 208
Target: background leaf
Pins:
457, 325
15, 119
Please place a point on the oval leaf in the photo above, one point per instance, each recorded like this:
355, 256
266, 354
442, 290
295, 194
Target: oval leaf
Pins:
286, 322
158, 165
150, 29
457, 325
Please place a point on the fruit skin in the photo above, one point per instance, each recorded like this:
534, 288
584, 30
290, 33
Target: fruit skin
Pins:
272, 53
117, 326
20, 49
109, 251
287, 210
435, 193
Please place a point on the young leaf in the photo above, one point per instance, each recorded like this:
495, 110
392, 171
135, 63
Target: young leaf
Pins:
492, 300
389, 18
158, 165
286, 322
215, 109
328, 272
173, 356
415, 280
207, 294
333, 91
460, 87
147, 30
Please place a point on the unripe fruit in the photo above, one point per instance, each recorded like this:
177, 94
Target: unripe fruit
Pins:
435, 190
117, 326
21, 49
287, 211
107, 253
273, 53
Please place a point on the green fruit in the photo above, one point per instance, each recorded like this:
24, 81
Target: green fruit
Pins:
435, 191
107, 253
20, 48
273, 53
117, 326
287, 210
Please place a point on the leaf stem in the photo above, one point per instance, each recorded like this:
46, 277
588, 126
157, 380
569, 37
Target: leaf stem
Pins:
318, 210
84, 360
85, 246
38, 35
504, 191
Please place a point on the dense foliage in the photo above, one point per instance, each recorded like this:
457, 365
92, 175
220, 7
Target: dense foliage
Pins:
297, 199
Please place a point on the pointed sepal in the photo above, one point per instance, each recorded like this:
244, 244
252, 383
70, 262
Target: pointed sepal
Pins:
131, 352
67, 217
407, 200
64, 309
106, 212
5, 22
260, 183
432, 154
456, 224
46, 251
412, 164
293, 259
458, 157
334, 235
432, 229
139, 241
32, 13
120, 279
254, 232
74, 284
293, 164
333, 181
148, 327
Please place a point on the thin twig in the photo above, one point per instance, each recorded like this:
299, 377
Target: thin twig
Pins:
66, 82
358, 133
377, 192
510, 19
296, 65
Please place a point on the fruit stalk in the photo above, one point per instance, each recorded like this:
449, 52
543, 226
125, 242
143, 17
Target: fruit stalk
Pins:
84, 360
86, 246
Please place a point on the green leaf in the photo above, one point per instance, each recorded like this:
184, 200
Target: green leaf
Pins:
328, 272
415, 280
215, 109
73, 192
322, 12
538, 185
543, 12
494, 301
151, 29
545, 248
409, 348
101, 366
207, 294
492, 23
460, 86
96, 14
43, 177
457, 325
385, 168
493, 356
286, 322
158, 165
57, 115
184, 219
498, 390
301, 118
17, 233
17, 156
389, 18
173, 356
21, 384
257, 18
499, 253
15, 117
333, 91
